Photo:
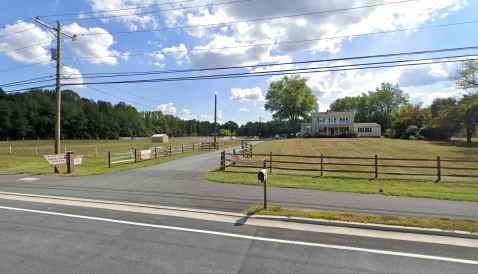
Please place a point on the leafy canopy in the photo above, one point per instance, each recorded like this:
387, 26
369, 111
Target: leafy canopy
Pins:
290, 98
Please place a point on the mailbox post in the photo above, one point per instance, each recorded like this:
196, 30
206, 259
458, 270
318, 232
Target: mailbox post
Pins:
262, 176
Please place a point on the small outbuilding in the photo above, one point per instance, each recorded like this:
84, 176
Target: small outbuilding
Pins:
368, 129
160, 138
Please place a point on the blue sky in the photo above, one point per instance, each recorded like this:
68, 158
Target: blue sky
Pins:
230, 45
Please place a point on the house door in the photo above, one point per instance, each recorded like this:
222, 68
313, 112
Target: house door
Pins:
332, 131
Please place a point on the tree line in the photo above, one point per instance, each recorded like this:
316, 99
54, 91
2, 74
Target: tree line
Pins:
31, 115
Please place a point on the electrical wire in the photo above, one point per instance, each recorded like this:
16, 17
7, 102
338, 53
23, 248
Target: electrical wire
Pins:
101, 75
272, 73
230, 113
249, 20
24, 66
27, 47
151, 12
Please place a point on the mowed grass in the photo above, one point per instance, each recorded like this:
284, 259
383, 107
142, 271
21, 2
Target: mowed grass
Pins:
449, 188
23, 159
421, 222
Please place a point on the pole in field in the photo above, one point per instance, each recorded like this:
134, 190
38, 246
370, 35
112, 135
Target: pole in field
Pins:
215, 114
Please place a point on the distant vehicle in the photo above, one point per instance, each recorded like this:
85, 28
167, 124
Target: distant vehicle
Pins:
283, 136
233, 137
277, 136
290, 135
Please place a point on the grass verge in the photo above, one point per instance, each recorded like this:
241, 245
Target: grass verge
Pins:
421, 222
408, 187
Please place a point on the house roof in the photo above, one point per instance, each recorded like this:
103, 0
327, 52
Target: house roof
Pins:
366, 125
159, 135
331, 114
305, 124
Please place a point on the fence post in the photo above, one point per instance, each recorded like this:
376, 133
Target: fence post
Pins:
321, 164
135, 156
155, 152
438, 168
35, 151
193, 146
170, 152
234, 152
65, 150
183, 148
251, 150
10, 150
109, 160
96, 151
376, 167
271, 163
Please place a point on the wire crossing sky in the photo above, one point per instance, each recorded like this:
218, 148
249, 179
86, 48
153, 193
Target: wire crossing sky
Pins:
153, 53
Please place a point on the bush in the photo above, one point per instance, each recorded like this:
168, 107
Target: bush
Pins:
352, 133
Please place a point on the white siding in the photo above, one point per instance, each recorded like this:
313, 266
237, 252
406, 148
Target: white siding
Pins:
376, 132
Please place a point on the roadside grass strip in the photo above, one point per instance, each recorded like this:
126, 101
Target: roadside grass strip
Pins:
446, 189
444, 224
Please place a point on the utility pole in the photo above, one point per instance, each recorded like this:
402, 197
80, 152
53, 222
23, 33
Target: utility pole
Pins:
191, 131
215, 114
57, 55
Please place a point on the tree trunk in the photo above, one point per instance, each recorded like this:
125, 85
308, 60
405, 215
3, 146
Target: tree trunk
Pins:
468, 136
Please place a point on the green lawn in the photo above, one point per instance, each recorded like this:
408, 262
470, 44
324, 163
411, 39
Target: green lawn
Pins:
23, 159
449, 188
422, 222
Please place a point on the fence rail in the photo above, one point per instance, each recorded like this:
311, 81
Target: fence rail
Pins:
374, 164
135, 154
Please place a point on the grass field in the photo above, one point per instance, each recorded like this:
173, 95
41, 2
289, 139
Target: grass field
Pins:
422, 222
23, 159
449, 188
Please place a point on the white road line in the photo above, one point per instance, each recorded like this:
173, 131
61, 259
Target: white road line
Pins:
348, 248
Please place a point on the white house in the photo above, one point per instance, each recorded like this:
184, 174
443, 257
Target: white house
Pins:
335, 123
305, 128
368, 129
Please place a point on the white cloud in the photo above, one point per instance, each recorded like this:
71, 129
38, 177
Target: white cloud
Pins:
184, 112
159, 58
126, 7
167, 108
263, 108
176, 52
243, 109
92, 45
71, 75
322, 106
225, 51
206, 116
333, 24
246, 95
30, 55
219, 114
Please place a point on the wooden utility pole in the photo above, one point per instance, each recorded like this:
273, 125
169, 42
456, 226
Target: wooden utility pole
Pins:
215, 113
58, 81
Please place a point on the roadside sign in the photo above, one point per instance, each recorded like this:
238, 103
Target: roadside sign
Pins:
57, 160
78, 161
236, 159
145, 154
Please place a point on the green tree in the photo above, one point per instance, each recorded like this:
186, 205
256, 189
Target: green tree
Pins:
289, 99
466, 77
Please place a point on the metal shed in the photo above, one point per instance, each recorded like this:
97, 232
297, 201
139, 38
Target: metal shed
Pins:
160, 138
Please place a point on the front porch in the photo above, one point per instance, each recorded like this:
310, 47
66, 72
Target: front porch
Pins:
332, 131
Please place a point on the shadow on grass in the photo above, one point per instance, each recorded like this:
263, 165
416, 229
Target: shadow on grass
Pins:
455, 143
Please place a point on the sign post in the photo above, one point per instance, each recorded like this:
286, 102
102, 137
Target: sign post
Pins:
67, 159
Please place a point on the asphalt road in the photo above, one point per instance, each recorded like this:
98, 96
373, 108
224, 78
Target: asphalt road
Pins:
39, 242
181, 183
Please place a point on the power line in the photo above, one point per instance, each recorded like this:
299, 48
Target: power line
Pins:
19, 22
102, 11
27, 47
276, 43
101, 75
25, 66
249, 20
281, 72
151, 12
230, 113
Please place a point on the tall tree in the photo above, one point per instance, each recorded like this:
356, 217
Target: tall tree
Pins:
467, 76
290, 98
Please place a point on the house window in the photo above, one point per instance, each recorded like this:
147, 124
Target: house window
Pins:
344, 120
344, 129
321, 130
332, 120
321, 120
368, 129
360, 129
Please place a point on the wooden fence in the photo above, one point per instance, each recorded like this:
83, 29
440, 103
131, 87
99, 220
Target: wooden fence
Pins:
376, 165
135, 154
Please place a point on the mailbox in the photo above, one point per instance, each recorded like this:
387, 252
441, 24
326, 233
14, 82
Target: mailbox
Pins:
262, 175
